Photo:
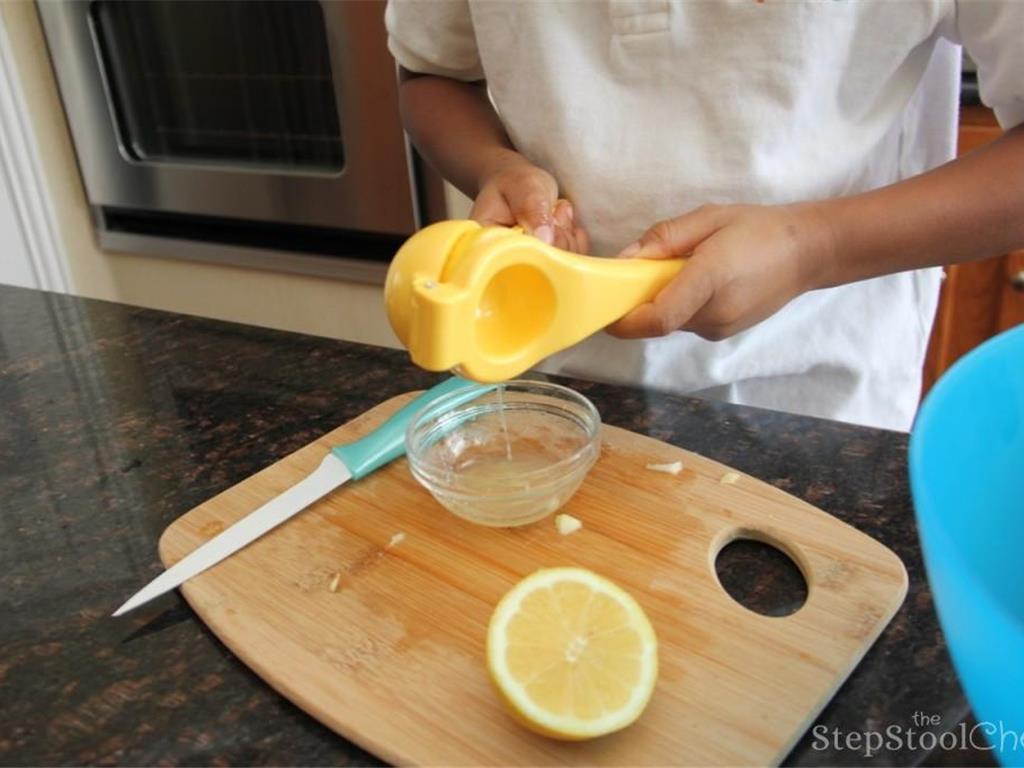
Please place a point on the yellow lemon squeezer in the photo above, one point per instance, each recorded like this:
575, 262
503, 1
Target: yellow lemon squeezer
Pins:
491, 302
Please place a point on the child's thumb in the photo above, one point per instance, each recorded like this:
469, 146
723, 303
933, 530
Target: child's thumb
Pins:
671, 238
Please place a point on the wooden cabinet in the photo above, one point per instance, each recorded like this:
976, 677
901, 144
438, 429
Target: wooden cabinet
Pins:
981, 298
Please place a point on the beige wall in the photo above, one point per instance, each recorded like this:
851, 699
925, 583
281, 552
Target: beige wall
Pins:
314, 305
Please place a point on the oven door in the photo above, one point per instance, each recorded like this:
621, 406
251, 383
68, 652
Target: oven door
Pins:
259, 110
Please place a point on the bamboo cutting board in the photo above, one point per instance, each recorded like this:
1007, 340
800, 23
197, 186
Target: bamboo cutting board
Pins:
369, 609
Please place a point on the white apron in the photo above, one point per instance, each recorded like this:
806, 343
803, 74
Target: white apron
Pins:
645, 110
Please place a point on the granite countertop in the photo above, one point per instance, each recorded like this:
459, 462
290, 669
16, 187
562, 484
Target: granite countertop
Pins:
117, 420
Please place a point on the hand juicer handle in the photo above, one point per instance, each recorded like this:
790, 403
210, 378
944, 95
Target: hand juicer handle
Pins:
387, 442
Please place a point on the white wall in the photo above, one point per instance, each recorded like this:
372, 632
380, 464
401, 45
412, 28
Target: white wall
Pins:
15, 264
30, 255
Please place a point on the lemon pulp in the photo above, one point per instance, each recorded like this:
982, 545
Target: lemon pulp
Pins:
572, 654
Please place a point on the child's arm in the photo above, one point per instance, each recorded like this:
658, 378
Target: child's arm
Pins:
454, 126
747, 262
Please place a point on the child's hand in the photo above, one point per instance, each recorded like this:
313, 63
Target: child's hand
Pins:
746, 262
519, 193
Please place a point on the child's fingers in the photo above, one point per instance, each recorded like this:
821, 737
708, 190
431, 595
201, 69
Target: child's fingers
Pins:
562, 216
641, 323
582, 240
567, 235
671, 309
564, 239
678, 236
531, 203
491, 209
563, 213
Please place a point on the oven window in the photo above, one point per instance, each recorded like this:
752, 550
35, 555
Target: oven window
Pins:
241, 83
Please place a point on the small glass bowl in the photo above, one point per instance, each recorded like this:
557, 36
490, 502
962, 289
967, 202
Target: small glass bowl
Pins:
510, 457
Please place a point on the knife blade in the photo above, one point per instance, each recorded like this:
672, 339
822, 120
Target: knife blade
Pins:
351, 461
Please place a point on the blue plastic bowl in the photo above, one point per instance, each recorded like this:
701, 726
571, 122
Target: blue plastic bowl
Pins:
967, 481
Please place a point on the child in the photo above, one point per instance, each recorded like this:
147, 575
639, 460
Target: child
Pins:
787, 148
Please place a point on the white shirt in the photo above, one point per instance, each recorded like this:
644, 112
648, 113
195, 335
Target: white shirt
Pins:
645, 109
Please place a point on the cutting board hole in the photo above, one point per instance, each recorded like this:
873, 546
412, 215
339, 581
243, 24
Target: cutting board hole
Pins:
760, 577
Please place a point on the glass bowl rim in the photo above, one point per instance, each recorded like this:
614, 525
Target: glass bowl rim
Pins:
590, 424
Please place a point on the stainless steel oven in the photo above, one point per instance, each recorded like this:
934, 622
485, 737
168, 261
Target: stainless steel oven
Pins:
240, 127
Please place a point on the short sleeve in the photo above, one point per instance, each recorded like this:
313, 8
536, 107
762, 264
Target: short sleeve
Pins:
992, 32
434, 37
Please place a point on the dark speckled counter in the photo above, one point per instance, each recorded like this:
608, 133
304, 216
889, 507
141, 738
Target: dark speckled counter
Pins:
116, 420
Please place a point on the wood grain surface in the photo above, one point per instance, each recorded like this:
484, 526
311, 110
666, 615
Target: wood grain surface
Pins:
369, 609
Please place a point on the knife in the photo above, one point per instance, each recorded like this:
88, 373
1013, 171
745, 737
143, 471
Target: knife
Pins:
344, 462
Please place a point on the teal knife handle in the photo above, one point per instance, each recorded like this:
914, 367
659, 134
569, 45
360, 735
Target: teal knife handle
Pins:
387, 442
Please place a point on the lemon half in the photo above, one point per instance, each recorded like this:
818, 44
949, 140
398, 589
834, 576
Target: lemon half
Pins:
572, 654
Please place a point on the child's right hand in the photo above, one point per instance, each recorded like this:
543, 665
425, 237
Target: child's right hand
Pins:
519, 193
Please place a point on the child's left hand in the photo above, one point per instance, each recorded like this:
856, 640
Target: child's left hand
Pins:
745, 263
